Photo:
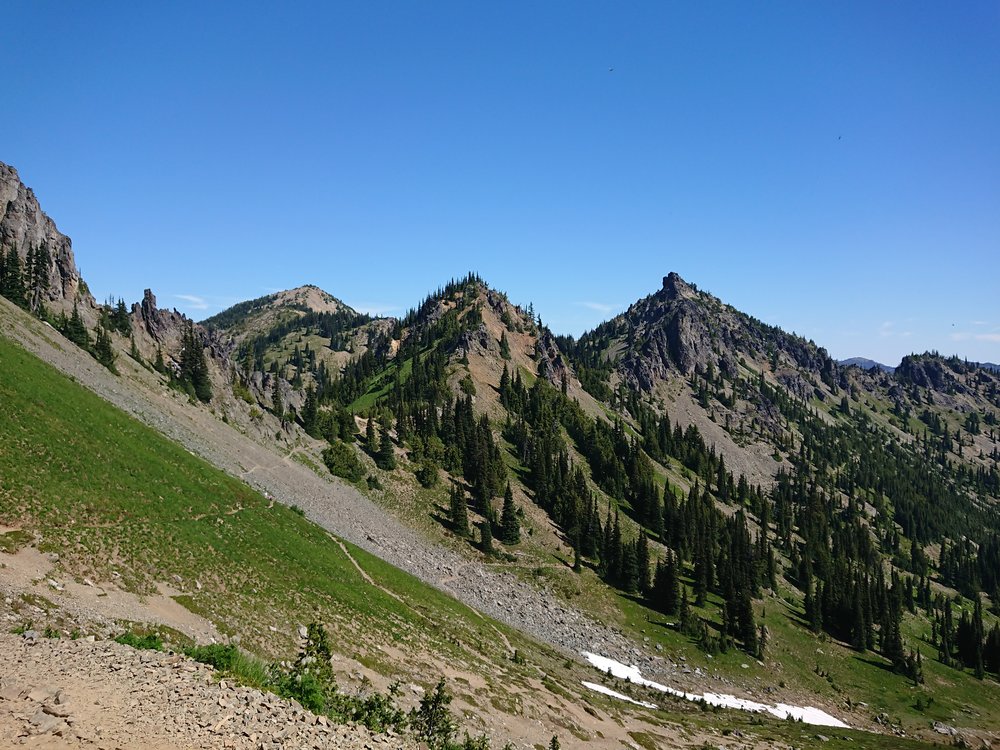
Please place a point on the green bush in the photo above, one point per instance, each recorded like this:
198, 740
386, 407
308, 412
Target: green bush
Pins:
150, 641
342, 462
216, 655
427, 474
432, 722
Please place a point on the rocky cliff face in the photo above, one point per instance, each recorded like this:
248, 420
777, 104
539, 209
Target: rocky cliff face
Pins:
680, 330
25, 227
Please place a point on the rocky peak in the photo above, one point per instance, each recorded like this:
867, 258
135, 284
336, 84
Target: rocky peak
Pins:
25, 227
310, 297
156, 323
674, 287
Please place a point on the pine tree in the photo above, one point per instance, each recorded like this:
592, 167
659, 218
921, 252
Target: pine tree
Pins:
194, 367
310, 413
504, 346
510, 527
459, 511
75, 330
665, 594
277, 403
12, 280
371, 439
385, 459
642, 564
103, 350
486, 537
977, 636
685, 618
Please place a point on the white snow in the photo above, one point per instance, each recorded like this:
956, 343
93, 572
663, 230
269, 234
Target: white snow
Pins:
807, 714
615, 694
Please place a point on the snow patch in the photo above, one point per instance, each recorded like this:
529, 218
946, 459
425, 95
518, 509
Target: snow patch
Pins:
615, 694
807, 714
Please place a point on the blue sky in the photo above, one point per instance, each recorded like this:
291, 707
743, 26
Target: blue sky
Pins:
832, 168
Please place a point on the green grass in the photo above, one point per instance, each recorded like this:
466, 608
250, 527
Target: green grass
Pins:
150, 641
110, 494
380, 385
12, 541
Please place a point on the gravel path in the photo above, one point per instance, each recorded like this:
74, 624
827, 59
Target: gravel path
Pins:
335, 506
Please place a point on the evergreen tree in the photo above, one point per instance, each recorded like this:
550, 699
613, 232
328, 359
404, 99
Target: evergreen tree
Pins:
385, 459
510, 527
458, 512
310, 413
665, 594
194, 367
12, 279
978, 664
486, 537
75, 330
277, 403
103, 350
504, 346
120, 320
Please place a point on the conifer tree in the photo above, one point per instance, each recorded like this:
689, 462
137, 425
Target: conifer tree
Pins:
103, 351
310, 413
510, 527
977, 637
194, 368
486, 537
458, 511
12, 279
385, 459
277, 403
75, 330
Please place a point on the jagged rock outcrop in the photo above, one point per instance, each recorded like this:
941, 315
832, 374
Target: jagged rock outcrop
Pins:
25, 227
552, 364
680, 330
156, 322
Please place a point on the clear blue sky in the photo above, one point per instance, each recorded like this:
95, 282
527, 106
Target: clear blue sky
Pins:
833, 168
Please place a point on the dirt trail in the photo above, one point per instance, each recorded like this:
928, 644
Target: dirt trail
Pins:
31, 573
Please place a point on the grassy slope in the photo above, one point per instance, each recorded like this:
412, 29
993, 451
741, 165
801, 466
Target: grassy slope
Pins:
112, 495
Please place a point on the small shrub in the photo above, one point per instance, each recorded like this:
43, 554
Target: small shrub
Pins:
432, 722
216, 655
468, 387
342, 462
427, 474
150, 641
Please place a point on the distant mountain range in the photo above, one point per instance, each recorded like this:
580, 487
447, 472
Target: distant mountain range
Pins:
865, 364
